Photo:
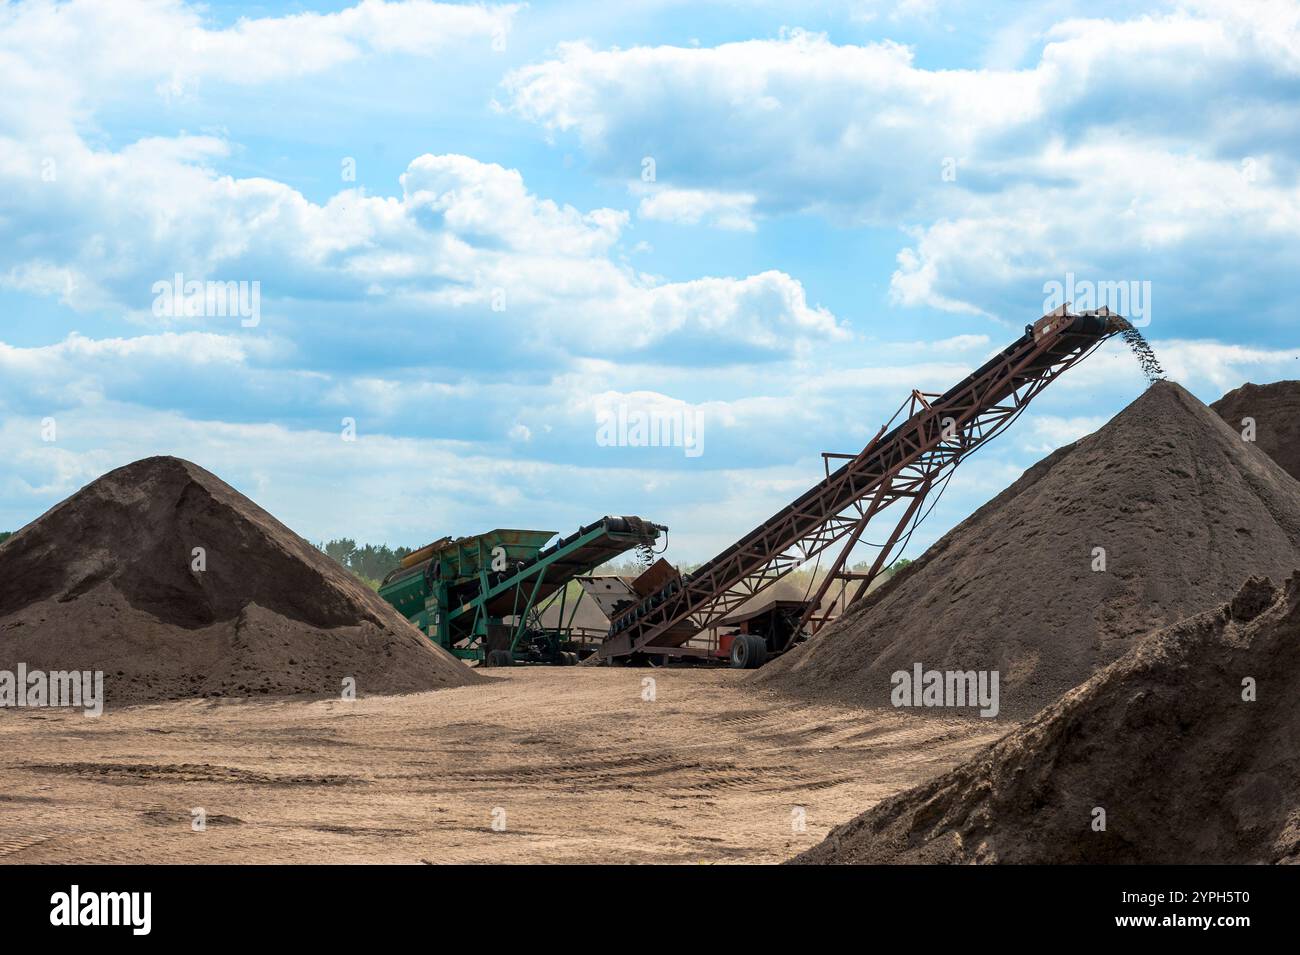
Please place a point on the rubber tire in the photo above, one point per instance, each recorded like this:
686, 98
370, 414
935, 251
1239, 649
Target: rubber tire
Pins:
500, 658
740, 652
748, 652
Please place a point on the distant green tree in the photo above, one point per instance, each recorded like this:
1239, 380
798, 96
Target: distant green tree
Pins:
373, 562
370, 562
341, 549
5, 535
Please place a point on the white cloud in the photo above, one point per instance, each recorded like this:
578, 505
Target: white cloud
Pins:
1135, 210
1044, 433
96, 227
88, 51
1214, 367
465, 238
862, 129
1130, 146
961, 343
723, 210
484, 201
809, 116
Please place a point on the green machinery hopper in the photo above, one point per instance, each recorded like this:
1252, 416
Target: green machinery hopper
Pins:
482, 597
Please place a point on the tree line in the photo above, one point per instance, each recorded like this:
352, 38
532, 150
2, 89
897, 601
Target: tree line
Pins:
370, 562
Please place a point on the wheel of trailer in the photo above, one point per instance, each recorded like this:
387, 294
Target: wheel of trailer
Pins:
747, 652
567, 659
740, 651
500, 658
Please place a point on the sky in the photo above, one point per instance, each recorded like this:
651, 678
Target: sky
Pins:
462, 246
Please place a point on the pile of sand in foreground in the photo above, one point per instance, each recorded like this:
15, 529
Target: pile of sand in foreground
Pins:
1275, 409
103, 581
1186, 770
1183, 507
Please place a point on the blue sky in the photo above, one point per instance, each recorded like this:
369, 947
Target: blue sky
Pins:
447, 212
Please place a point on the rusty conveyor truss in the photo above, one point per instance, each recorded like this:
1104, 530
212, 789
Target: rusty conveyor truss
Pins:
901, 466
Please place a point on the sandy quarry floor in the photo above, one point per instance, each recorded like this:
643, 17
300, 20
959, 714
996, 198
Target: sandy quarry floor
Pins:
584, 769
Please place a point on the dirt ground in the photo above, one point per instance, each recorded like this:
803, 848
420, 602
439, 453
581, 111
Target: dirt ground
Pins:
574, 764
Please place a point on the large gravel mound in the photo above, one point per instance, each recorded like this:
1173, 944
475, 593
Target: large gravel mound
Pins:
1182, 506
105, 581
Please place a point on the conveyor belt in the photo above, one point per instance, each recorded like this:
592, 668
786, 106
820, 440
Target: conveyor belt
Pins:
917, 450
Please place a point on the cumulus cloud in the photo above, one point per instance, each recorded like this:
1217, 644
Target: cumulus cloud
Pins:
85, 52
1004, 178
1137, 213
861, 129
465, 239
97, 227
808, 116
722, 210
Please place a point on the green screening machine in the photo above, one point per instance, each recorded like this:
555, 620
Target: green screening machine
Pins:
484, 597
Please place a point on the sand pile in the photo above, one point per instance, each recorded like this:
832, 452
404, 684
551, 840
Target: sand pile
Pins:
1185, 769
104, 581
1184, 509
1275, 409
